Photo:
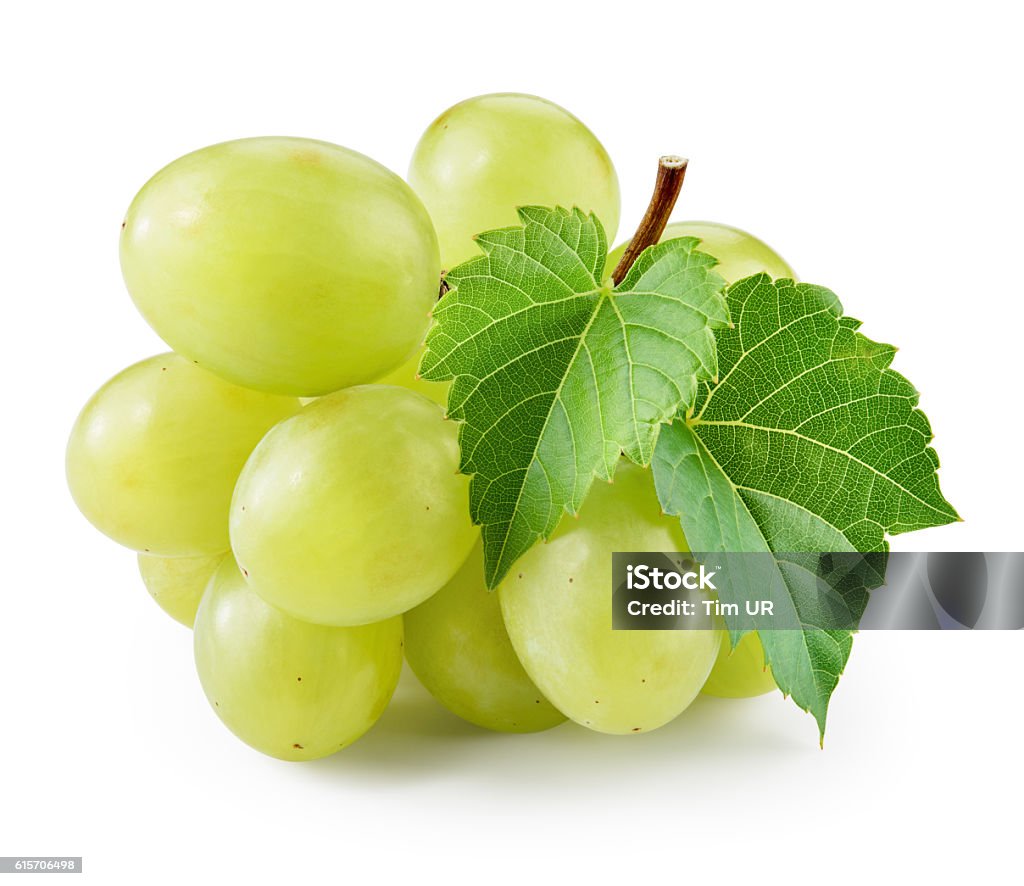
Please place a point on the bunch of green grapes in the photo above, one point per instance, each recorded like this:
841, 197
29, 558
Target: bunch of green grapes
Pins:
292, 487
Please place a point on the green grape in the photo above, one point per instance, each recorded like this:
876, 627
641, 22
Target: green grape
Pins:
177, 583
739, 254
457, 645
282, 264
740, 672
293, 690
406, 376
557, 604
488, 155
154, 455
353, 511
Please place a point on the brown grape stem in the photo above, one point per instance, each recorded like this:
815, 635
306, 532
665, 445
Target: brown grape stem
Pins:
668, 184
671, 172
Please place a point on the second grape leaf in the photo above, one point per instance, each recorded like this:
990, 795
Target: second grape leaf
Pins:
808, 442
556, 373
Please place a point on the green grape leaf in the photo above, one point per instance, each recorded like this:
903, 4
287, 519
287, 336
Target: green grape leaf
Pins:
556, 373
808, 441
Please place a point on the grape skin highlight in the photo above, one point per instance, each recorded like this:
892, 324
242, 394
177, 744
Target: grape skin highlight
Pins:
153, 457
353, 510
293, 690
177, 583
456, 643
486, 156
557, 608
739, 254
283, 264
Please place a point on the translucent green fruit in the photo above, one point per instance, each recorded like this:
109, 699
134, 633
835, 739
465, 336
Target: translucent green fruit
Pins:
153, 457
488, 155
457, 645
739, 254
740, 672
557, 608
406, 376
177, 583
283, 264
290, 689
353, 510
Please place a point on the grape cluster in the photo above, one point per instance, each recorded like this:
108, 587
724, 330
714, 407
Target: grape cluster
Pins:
291, 486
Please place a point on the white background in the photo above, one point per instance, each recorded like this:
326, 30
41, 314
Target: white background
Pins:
876, 145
